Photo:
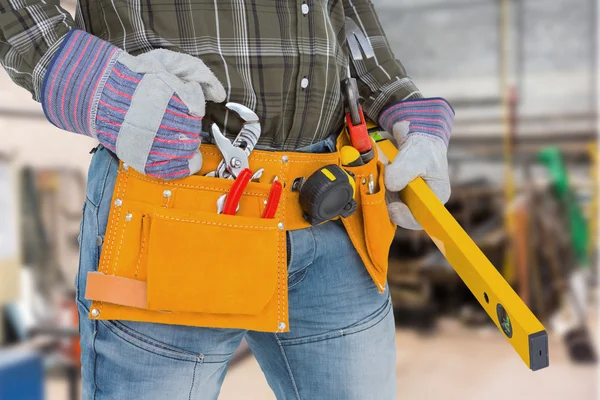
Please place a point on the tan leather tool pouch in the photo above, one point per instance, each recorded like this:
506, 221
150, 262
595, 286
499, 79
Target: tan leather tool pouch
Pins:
370, 228
170, 258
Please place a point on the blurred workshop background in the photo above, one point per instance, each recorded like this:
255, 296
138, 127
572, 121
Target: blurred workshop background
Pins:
523, 78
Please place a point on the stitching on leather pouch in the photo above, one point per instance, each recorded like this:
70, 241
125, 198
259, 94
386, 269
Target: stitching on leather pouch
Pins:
372, 203
137, 266
113, 223
353, 236
215, 223
123, 231
143, 178
276, 159
279, 256
120, 194
310, 160
285, 169
370, 250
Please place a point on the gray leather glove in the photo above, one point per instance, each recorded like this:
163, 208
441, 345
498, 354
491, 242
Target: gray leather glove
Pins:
147, 108
419, 155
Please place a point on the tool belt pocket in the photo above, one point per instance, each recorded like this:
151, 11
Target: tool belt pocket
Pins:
169, 257
370, 228
379, 229
205, 262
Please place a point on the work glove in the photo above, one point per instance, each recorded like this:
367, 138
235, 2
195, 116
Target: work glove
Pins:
421, 129
147, 109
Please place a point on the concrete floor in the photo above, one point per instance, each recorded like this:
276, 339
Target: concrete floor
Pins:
455, 363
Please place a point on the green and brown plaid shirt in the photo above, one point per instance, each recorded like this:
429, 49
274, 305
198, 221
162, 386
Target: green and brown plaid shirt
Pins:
285, 59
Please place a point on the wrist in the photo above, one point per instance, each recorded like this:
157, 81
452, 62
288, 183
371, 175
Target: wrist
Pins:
431, 117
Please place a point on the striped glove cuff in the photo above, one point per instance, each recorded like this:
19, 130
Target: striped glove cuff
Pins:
74, 80
90, 90
432, 117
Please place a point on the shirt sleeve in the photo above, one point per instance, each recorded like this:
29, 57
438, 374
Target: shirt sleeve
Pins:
382, 80
30, 34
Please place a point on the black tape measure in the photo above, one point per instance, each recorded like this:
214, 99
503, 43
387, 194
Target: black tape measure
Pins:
326, 194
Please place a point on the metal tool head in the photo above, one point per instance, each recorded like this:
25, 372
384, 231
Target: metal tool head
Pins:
357, 40
257, 175
235, 158
246, 114
250, 132
235, 154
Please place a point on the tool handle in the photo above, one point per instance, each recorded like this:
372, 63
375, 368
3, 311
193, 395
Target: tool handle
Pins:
235, 193
273, 200
359, 134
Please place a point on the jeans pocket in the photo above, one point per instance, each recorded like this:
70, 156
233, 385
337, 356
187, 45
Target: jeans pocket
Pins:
146, 343
367, 322
101, 176
301, 248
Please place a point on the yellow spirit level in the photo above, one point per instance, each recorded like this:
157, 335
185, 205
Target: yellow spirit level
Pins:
521, 328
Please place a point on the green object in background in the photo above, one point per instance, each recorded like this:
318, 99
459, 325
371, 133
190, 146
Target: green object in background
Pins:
553, 160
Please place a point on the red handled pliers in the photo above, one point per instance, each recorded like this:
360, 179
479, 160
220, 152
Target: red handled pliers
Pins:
229, 203
273, 199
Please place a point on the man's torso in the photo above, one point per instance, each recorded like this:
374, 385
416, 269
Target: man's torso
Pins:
283, 59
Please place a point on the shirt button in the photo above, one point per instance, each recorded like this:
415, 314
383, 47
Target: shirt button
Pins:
304, 83
305, 8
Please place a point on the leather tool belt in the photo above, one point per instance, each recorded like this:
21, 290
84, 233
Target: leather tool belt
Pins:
168, 257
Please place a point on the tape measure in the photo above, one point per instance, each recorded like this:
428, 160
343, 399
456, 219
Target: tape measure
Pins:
327, 194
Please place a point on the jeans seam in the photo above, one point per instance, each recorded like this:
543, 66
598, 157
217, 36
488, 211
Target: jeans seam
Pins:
81, 229
95, 358
304, 272
288, 367
193, 379
291, 241
125, 336
103, 185
339, 333
305, 268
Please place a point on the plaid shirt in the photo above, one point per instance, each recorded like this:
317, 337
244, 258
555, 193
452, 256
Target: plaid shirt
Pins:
284, 59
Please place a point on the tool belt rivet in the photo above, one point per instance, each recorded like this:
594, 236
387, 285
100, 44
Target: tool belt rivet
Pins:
128, 217
281, 326
95, 313
281, 226
285, 158
118, 202
167, 193
125, 167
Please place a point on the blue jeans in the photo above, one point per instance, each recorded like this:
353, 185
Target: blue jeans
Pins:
340, 344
